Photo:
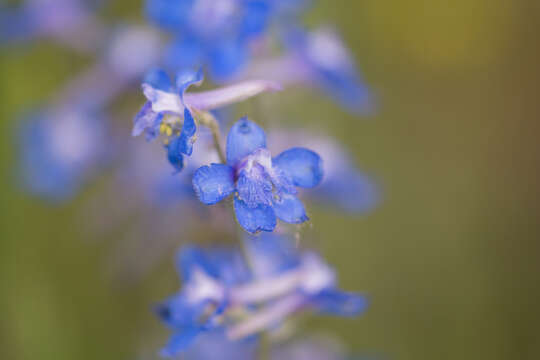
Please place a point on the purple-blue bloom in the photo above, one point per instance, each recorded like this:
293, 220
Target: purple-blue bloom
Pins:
332, 67
318, 59
344, 186
59, 151
223, 291
264, 187
166, 108
68, 21
216, 33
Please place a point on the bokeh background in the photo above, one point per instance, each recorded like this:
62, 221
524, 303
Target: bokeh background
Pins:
451, 257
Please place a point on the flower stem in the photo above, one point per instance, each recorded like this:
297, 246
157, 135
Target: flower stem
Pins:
208, 120
263, 352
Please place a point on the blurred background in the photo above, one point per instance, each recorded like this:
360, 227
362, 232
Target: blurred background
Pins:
449, 258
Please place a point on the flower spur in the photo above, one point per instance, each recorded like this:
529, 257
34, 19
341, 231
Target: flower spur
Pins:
169, 110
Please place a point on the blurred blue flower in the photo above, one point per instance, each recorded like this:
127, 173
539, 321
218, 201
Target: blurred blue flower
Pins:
288, 281
59, 150
215, 33
68, 21
264, 188
317, 59
331, 67
344, 186
203, 297
224, 291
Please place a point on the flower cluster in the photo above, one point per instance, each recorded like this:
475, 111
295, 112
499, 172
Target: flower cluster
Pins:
190, 176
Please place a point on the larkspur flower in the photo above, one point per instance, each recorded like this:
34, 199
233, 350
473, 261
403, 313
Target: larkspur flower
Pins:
70, 22
170, 110
60, 149
318, 59
222, 292
203, 298
264, 187
216, 33
288, 281
344, 185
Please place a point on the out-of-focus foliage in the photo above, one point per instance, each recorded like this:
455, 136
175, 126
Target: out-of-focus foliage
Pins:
450, 257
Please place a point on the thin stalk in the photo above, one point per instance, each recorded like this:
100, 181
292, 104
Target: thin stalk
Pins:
263, 352
207, 119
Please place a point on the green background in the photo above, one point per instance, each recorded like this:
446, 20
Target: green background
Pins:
451, 258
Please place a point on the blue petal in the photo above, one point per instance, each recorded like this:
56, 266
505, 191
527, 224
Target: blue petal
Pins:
184, 52
169, 14
272, 253
187, 135
302, 165
341, 303
177, 312
158, 79
244, 137
256, 18
290, 209
255, 188
186, 78
180, 342
147, 121
226, 59
346, 88
191, 257
174, 155
261, 218
350, 190
213, 183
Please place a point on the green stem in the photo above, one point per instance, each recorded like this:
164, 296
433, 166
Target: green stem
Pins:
263, 352
207, 119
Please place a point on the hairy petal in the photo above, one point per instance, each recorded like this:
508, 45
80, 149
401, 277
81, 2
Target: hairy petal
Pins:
261, 218
302, 165
254, 188
213, 183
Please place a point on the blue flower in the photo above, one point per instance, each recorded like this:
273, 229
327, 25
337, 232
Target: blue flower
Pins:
203, 298
287, 281
59, 151
168, 106
344, 186
264, 187
331, 67
224, 292
216, 33
67, 21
